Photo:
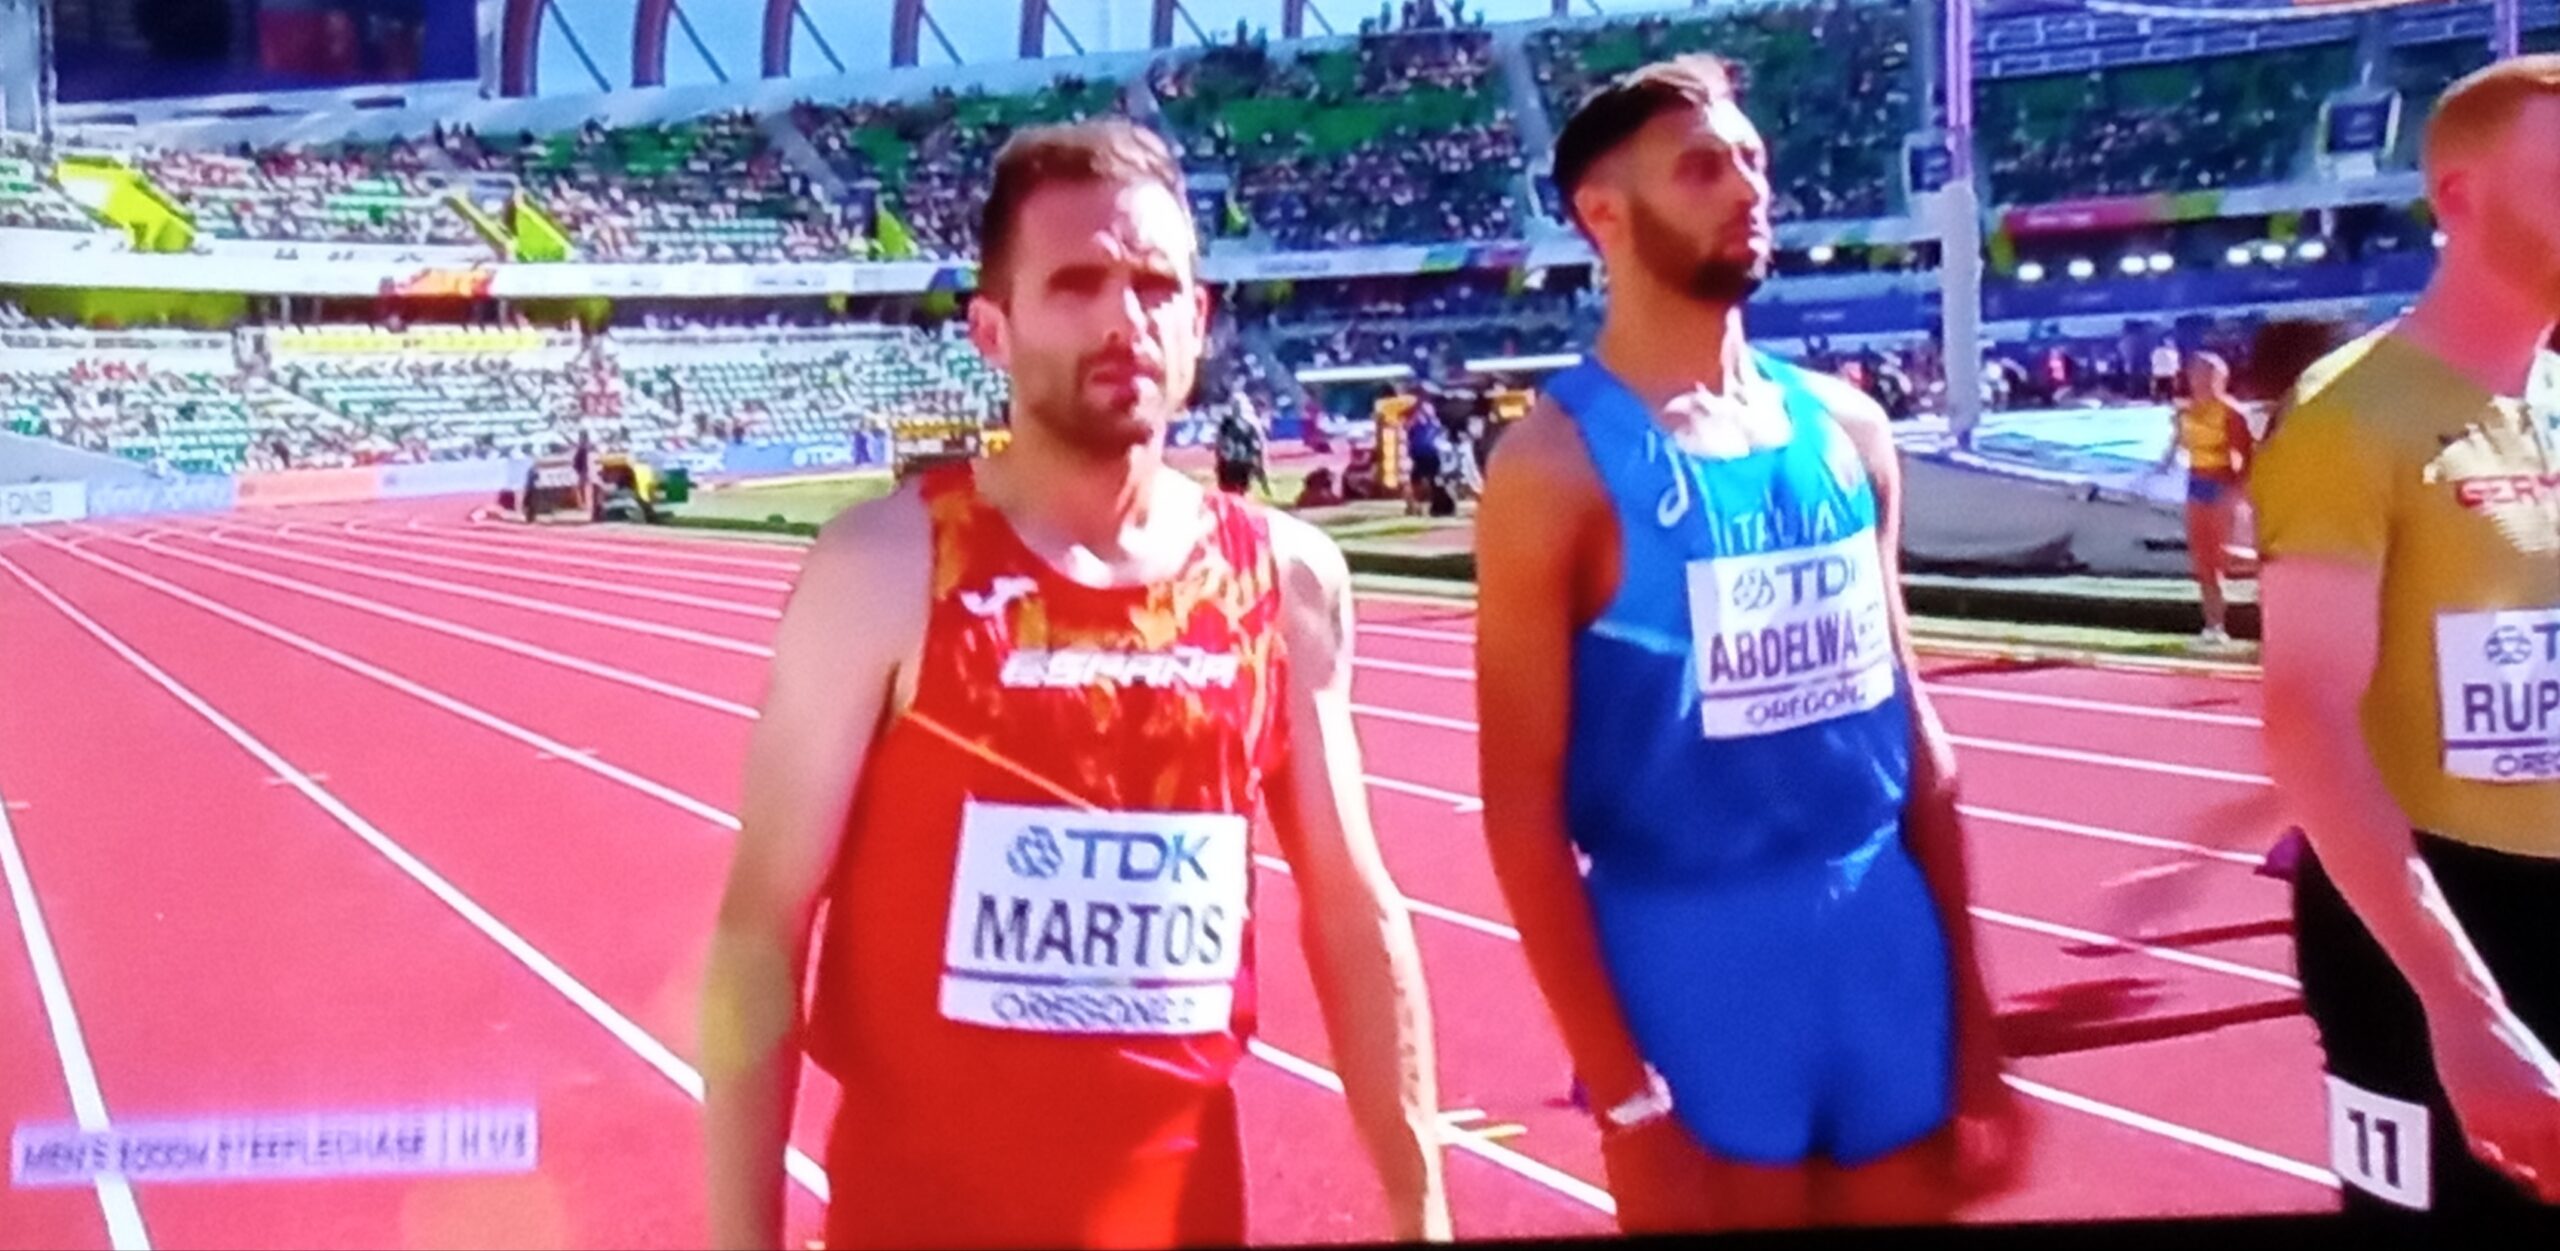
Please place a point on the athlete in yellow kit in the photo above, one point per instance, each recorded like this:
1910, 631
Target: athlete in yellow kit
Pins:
2409, 513
2216, 439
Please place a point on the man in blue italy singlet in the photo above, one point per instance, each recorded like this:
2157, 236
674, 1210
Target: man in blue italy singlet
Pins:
1694, 671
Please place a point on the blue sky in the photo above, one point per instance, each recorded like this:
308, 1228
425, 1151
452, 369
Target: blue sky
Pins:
979, 30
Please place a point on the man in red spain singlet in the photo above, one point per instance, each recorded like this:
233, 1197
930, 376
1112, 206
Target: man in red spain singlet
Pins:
1021, 716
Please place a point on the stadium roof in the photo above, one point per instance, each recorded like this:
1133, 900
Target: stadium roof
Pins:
568, 46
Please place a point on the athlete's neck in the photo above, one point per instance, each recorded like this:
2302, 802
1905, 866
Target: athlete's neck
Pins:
2475, 320
1064, 499
1662, 344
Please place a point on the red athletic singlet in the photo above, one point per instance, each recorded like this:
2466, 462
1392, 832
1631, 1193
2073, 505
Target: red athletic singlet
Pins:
1037, 975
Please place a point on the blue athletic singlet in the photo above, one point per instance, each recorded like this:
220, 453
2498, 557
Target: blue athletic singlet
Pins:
1739, 758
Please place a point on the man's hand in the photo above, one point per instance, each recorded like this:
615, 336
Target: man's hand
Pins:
1988, 1142
2505, 1089
2323, 632
1361, 952
856, 612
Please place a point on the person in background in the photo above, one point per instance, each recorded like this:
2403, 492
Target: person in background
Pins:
2412, 601
1764, 972
2214, 434
1242, 457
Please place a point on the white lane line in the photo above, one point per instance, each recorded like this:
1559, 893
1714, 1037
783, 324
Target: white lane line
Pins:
1417, 632
618, 590
1959, 740
70, 1045
2132, 763
1444, 672
2033, 699
653, 629
2108, 707
1463, 803
1473, 1144
1413, 718
751, 541
519, 551
455, 629
2170, 954
2103, 834
1463, 920
476, 715
655, 1054
499, 532
2175, 1132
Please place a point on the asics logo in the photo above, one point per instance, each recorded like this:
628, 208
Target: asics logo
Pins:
1674, 504
999, 593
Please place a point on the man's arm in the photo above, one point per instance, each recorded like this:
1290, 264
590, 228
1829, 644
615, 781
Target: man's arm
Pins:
852, 621
1358, 934
1530, 540
2322, 637
2322, 628
1932, 826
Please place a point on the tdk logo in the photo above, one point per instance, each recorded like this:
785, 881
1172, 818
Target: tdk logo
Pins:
1117, 855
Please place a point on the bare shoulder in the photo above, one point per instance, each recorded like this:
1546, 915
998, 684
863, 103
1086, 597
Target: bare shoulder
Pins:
870, 547
1542, 451
1308, 558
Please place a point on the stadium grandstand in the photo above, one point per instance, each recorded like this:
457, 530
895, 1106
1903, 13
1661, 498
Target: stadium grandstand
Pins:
354, 273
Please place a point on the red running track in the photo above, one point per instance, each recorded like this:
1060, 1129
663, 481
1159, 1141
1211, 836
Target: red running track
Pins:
382, 807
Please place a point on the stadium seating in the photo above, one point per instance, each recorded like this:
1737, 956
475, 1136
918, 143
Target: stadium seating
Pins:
930, 160
2175, 126
1400, 138
353, 193
29, 201
868, 383
1829, 81
702, 189
192, 422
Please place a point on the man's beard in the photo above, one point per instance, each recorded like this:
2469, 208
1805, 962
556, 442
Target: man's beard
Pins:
1666, 253
1106, 430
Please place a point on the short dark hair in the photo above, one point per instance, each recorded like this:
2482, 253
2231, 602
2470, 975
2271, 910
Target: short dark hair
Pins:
1112, 149
1609, 116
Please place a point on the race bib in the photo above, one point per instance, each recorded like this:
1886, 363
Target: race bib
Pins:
1069, 922
2498, 691
1789, 639
2379, 1145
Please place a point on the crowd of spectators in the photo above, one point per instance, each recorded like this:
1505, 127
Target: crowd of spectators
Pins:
1405, 133
1407, 136
1829, 80
379, 193
2178, 126
929, 161
711, 188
